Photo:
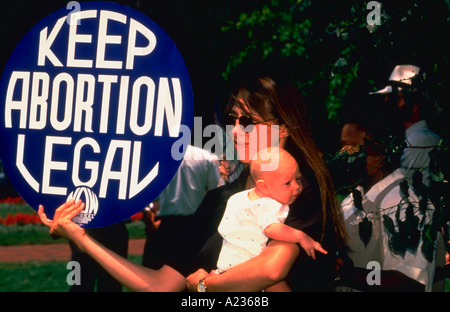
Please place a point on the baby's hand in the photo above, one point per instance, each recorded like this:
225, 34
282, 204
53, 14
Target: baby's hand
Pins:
310, 246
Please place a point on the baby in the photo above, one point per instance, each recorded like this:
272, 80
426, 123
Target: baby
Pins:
253, 216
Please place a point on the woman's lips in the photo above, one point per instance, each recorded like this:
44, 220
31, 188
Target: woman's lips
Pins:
241, 141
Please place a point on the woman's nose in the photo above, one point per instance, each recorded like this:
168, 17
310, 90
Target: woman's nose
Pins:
235, 128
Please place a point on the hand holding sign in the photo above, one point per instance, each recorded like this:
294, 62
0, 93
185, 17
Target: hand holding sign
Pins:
62, 224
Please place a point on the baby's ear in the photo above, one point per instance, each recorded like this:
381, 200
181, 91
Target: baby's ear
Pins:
262, 186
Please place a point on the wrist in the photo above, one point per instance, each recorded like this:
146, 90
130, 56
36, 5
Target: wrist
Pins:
300, 235
201, 285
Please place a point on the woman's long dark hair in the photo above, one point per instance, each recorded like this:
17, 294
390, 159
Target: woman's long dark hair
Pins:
262, 95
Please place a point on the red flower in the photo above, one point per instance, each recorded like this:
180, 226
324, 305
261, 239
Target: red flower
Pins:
12, 200
137, 216
20, 219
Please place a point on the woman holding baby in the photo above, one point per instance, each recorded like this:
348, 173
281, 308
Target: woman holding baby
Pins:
255, 107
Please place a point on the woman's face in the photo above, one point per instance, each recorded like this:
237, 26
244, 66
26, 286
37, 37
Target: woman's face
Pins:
255, 137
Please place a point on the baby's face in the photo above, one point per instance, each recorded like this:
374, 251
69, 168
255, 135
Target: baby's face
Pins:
285, 186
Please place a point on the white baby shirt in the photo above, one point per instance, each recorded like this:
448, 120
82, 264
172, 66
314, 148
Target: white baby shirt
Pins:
242, 227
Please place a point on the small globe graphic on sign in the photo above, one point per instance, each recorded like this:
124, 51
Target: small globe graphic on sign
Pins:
91, 204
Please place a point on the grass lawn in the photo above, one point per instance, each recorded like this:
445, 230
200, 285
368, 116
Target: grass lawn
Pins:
35, 276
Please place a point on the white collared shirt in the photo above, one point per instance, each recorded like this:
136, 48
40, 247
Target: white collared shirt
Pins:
198, 172
376, 203
419, 142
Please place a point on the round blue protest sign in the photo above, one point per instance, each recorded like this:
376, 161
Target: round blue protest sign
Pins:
93, 103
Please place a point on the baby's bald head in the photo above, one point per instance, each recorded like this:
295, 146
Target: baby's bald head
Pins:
276, 175
270, 161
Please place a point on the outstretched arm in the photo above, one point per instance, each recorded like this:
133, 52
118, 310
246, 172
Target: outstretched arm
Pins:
282, 232
129, 274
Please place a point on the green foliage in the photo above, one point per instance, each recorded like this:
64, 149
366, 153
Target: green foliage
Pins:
439, 162
9, 208
389, 224
429, 235
348, 165
357, 199
330, 50
347, 169
267, 30
365, 230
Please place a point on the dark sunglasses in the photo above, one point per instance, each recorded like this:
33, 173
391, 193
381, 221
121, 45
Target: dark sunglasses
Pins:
244, 121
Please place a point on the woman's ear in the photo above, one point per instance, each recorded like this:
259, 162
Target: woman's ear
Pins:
283, 132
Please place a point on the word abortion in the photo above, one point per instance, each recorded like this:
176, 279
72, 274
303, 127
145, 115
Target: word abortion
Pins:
81, 103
